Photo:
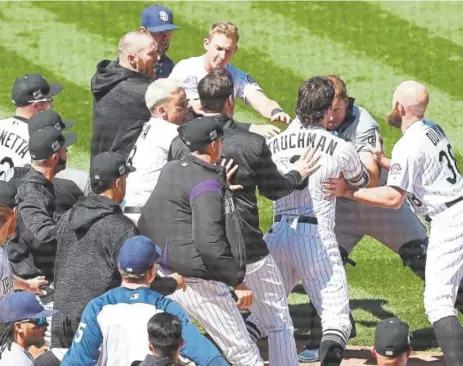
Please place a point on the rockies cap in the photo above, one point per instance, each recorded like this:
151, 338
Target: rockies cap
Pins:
108, 166
138, 254
32, 88
158, 18
8, 194
392, 337
22, 305
45, 142
200, 131
47, 118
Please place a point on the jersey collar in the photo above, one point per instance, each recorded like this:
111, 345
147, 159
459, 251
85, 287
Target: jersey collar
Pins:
21, 118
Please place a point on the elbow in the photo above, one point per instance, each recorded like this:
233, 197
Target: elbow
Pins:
395, 202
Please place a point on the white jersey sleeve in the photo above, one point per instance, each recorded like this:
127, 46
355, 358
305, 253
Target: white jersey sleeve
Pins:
351, 166
404, 167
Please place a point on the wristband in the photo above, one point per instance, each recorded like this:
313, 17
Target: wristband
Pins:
275, 111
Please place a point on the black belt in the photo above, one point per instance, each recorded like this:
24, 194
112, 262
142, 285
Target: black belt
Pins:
301, 219
451, 203
133, 209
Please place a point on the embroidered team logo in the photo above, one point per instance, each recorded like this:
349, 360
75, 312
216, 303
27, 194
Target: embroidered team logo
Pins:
55, 146
135, 296
122, 170
213, 135
37, 94
163, 15
395, 169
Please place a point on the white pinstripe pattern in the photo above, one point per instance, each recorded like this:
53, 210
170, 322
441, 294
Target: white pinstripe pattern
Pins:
444, 264
6, 275
270, 311
211, 304
301, 255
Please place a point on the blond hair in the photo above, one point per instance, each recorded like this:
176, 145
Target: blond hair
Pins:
226, 28
340, 90
161, 90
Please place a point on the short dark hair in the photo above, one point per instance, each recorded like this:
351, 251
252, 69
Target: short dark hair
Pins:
314, 98
165, 334
214, 90
100, 186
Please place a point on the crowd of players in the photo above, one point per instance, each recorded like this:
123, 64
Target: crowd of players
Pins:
166, 220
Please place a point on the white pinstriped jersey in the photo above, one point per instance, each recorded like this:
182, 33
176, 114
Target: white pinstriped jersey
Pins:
337, 156
191, 70
148, 156
14, 139
423, 165
6, 275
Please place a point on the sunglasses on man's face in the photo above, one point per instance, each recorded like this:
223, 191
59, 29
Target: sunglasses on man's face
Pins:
40, 322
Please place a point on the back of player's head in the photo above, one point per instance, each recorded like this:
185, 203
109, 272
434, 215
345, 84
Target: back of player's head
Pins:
165, 334
340, 89
314, 98
226, 28
134, 43
214, 90
160, 91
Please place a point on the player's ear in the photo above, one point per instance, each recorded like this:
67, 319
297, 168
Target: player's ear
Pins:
151, 348
206, 43
162, 112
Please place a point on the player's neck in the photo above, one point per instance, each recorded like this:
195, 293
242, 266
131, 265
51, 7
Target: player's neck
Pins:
24, 113
407, 122
47, 172
133, 286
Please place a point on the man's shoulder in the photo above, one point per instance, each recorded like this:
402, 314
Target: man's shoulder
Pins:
188, 66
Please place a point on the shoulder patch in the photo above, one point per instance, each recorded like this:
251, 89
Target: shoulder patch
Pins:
250, 79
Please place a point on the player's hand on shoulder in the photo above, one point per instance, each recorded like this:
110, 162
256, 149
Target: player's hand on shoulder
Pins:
244, 295
267, 131
281, 116
181, 285
35, 285
308, 163
230, 170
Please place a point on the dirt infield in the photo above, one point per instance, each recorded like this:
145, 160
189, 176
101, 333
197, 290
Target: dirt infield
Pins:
356, 356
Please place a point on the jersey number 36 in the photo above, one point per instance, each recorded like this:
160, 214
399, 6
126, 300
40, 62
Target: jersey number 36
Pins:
449, 159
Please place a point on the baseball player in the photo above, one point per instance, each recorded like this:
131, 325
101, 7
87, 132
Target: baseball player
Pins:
423, 168
166, 100
220, 45
303, 242
31, 95
400, 230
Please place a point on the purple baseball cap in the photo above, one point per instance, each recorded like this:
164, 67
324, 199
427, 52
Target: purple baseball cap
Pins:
158, 18
22, 305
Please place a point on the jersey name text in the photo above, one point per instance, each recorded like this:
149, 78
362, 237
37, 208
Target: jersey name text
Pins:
435, 134
14, 142
303, 139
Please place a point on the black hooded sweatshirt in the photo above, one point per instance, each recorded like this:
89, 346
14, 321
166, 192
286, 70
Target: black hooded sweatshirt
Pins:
119, 109
89, 238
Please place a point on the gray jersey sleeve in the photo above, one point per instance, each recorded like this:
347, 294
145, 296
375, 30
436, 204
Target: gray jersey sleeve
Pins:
361, 132
352, 168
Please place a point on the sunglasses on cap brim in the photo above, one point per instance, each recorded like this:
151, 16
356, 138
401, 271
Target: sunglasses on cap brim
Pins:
40, 322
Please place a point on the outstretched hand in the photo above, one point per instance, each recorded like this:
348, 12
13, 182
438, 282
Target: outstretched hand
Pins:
230, 170
308, 163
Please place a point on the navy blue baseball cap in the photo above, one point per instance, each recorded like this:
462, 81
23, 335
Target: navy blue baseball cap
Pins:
138, 254
158, 18
22, 305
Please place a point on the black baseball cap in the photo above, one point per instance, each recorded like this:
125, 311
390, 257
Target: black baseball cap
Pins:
48, 118
32, 88
107, 166
45, 142
8, 194
392, 337
200, 131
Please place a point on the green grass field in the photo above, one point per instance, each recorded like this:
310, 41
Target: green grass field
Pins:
372, 45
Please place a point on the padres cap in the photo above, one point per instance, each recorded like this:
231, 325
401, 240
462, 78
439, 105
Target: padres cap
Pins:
392, 337
200, 131
138, 254
22, 305
158, 18
45, 142
107, 166
47, 118
32, 88
8, 194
